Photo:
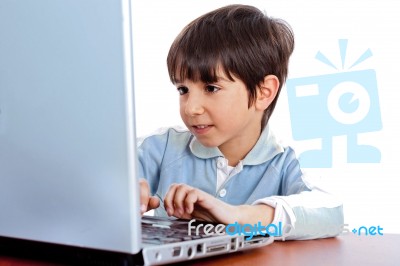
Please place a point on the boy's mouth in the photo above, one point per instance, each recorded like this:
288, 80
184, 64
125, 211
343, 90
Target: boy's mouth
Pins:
201, 126
201, 129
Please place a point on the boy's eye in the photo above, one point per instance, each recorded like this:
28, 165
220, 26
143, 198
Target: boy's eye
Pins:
182, 90
211, 89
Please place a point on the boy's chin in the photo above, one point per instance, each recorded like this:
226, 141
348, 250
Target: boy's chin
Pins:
208, 144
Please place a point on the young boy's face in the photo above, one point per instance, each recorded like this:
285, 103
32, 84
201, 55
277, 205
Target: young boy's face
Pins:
218, 113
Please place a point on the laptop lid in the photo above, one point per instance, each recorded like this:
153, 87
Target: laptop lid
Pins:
67, 138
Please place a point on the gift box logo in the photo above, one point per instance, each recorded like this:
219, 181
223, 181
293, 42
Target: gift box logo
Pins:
344, 103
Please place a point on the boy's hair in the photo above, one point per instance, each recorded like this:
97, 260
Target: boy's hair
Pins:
242, 40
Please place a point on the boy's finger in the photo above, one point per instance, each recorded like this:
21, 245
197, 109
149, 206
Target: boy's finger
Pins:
179, 198
168, 204
190, 200
144, 195
154, 203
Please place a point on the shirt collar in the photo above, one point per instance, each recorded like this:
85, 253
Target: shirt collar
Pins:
265, 149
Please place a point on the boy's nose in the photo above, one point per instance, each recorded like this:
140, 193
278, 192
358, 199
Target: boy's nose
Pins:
194, 106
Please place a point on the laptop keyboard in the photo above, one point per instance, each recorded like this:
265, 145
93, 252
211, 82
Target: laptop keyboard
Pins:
160, 230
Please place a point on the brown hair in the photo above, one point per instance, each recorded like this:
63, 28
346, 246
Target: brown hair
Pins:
242, 40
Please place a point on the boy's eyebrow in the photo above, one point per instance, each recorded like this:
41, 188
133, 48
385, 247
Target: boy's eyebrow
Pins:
223, 79
219, 78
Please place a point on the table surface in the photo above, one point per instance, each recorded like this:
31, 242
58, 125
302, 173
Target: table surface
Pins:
343, 250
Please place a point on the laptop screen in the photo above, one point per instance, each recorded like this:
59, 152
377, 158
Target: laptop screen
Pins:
67, 140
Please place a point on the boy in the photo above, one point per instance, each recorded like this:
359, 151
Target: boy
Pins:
229, 66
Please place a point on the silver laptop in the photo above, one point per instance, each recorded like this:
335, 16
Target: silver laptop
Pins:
67, 134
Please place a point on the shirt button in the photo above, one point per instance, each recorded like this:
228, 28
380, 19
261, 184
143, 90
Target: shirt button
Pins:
222, 193
220, 164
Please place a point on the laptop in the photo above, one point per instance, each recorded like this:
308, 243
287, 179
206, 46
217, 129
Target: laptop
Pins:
68, 185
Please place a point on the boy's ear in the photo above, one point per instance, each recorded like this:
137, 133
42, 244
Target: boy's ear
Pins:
266, 92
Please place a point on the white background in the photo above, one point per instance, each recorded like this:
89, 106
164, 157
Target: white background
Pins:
370, 192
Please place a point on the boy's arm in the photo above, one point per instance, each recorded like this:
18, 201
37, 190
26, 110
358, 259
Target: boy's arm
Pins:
252, 214
307, 214
150, 152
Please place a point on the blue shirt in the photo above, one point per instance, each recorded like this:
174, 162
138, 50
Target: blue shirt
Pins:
269, 174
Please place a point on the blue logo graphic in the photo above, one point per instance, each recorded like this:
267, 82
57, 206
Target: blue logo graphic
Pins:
325, 106
368, 231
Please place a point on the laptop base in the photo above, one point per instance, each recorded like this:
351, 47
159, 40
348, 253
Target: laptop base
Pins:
64, 255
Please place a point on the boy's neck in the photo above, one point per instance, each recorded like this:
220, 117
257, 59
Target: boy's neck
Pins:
235, 152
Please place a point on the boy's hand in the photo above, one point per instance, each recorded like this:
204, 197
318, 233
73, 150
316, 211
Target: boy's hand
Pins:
147, 202
186, 202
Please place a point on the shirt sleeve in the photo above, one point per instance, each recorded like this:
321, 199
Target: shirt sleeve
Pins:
304, 210
150, 153
307, 215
